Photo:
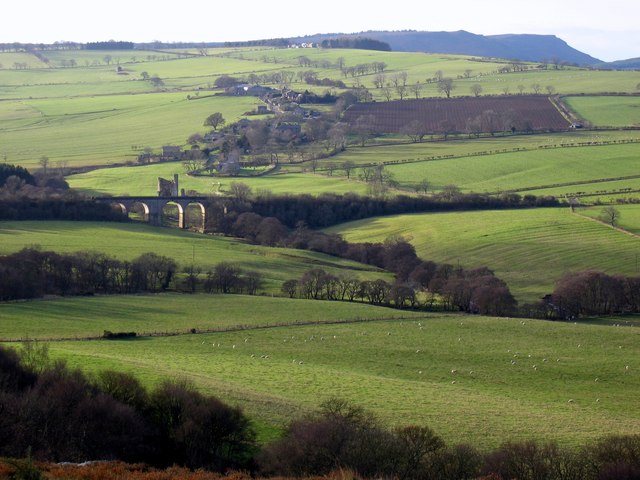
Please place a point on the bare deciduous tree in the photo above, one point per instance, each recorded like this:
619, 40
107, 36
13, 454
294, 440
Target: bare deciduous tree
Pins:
446, 86
610, 215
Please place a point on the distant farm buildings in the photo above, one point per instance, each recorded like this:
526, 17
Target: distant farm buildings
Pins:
246, 89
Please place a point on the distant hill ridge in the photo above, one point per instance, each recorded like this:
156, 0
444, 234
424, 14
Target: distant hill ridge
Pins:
525, 47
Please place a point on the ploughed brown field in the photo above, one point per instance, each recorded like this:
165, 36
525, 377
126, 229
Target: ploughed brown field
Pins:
458, 115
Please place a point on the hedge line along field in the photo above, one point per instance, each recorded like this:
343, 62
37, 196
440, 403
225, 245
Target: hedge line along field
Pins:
595, 192
524, 170
474, 380
398, 149
125, 241
607, 111
144, 181
529, 249
173, 313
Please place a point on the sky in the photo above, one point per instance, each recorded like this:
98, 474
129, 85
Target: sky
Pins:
608, 30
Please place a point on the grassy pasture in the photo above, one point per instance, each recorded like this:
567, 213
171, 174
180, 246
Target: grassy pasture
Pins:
163, 118
127, 241
172, 312
629, 216
85, 58
9, 59
490, 172
568, 382
520, 164
590, 193
400, 149
609, 111
421, 66
529, 249
143, 181
522, 170
103, 129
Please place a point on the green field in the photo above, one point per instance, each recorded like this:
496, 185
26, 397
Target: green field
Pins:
144, 181
105, 129
513, 163
421, 66
607, 111
475, 380
529, 249
629, 216
526, 170
78, 317
129, 240
568, 383
89, 115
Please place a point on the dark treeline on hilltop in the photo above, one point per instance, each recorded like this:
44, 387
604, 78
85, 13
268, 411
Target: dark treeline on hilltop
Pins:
361, 43
110, 45
111, 416
270, 42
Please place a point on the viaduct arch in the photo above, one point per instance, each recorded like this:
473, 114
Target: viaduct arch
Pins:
153, 207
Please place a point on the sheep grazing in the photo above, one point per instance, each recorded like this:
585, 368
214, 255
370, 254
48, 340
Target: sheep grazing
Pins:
454, 371
453, 382
570, 400
513, 362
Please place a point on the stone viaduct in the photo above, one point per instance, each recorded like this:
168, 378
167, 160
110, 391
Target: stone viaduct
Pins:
153, 207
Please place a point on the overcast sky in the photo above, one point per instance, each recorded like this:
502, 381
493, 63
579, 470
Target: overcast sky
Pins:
608, 29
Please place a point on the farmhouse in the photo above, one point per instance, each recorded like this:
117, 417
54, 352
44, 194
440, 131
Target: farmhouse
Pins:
171, 152
246, 89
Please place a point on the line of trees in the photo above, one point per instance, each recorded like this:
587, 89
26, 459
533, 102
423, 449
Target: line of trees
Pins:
110, 45
33, 273
342, 436
361, 43
594, 293
474, 291
330, 209
58, 414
